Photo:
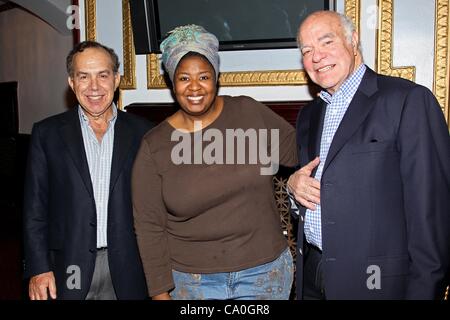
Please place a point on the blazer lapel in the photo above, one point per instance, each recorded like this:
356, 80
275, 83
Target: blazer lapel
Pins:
123, 139
73, 139
357, 111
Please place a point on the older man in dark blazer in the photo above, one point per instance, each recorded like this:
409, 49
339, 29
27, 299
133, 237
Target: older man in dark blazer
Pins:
78, 221
373, 193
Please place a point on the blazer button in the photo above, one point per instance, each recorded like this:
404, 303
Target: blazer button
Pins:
92, 224
327, 184
92, 250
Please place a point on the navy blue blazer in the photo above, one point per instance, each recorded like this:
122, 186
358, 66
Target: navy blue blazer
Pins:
385, 195
59, 209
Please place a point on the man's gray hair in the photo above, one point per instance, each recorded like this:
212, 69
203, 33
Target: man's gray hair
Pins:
80, 47
349, 28
347, 25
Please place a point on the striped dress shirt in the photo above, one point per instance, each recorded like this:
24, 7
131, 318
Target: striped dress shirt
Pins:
99, 158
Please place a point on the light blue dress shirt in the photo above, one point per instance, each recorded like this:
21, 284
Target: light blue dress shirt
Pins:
337, 105
99, 158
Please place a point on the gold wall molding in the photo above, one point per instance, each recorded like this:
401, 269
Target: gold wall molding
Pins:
274, 77
441, 53
129, 57
385, 41
353, 9
91, 30
155, 80
128, 79
441, 79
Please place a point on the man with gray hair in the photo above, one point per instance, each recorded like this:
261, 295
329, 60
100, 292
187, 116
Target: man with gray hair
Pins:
372, 195
79, 237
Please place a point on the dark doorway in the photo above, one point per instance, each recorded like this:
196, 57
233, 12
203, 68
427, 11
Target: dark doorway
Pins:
12, 165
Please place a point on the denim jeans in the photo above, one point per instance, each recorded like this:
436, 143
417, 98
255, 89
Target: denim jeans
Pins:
269, 281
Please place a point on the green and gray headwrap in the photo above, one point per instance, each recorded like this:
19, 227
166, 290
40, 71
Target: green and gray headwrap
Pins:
184, 39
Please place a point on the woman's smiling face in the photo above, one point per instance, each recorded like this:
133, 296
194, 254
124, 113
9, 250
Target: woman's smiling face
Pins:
194, 84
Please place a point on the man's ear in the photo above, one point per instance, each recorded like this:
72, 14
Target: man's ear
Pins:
70, 81
116, 80
355, 41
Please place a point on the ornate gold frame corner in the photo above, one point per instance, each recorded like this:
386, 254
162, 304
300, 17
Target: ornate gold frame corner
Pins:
441, 58
384, 63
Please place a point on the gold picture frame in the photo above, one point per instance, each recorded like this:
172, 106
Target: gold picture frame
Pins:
155, 80
441, 79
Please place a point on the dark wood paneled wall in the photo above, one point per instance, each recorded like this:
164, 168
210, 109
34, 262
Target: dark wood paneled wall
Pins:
157, 112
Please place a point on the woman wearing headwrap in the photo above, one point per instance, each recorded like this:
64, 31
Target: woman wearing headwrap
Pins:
205, 215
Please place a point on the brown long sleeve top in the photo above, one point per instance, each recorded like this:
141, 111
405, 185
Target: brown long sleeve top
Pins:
208, 217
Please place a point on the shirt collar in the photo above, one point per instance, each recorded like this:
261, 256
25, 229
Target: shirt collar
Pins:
83, 116
348, 88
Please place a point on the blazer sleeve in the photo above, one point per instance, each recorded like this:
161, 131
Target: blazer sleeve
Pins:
424, 142
35, 209
150, 219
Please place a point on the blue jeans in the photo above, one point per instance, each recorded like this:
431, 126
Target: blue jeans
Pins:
270, 281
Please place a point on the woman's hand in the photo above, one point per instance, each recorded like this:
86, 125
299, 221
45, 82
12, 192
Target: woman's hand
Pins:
162, 296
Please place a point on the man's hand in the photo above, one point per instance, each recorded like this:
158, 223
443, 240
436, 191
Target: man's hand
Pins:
303, 187
39, 285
